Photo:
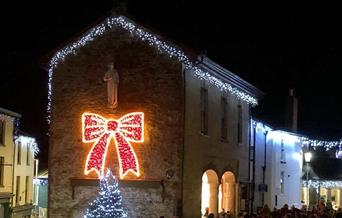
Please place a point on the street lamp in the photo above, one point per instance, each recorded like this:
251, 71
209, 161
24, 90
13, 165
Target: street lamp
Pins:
307, 158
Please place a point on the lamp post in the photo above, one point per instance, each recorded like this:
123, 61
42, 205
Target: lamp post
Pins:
307, 158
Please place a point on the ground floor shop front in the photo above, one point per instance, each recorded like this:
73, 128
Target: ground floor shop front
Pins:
328, 192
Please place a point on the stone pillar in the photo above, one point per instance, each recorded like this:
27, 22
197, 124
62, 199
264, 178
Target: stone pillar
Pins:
340, 198
329, 194
313, 197
213, 203
236, 199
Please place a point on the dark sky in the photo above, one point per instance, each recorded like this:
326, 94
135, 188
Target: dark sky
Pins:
274, 49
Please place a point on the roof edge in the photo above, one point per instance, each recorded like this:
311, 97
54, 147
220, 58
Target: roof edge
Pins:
10, 113
230, 77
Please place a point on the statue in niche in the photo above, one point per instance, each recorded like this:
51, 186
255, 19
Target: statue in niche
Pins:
112, 79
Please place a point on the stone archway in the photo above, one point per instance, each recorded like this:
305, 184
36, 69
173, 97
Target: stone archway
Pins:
209, 196
228, 195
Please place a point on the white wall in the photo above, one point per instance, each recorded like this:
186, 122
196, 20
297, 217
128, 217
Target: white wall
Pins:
291, 166
6, 151
24, 169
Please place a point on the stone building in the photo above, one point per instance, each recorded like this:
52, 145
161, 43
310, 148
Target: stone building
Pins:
182, 120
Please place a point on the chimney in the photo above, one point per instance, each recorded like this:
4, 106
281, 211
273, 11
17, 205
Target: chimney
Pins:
291, 113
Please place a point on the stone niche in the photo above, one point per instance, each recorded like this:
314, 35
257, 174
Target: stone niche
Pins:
150, 83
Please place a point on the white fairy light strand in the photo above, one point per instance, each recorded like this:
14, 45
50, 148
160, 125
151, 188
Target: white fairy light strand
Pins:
4, 117
29, 142
152, 40
322, 183
306, 142
41, 182
327, 145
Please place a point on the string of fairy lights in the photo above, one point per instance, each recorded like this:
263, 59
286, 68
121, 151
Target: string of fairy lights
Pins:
305, 141
153, 40
165, 48
29, 142
322, 184
321, 144
41, 182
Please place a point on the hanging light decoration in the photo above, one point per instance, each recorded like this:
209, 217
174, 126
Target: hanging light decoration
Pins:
150, 38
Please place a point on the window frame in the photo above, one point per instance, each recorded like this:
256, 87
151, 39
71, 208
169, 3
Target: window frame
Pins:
2, 170
224, 118
19, 148
239, 124
2, 132
204, 110
17, 191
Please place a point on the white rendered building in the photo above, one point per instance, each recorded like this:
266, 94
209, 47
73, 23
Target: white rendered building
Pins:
276, 167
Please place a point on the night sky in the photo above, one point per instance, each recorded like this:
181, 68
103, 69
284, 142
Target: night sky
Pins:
273, 49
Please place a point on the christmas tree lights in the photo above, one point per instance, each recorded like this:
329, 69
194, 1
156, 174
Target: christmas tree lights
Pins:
150, 38
108, 204
129, 128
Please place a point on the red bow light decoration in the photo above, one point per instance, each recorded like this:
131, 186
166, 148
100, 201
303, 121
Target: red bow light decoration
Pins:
128, 128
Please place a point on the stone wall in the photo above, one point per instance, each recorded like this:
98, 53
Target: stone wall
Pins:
149, 83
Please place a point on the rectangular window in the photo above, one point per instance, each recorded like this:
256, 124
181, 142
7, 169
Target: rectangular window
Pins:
2, 132
28, 154
26, 189
19, 153
282, 177
224, 118
2, 170
204, 110
282, 152
17, 191
239, 124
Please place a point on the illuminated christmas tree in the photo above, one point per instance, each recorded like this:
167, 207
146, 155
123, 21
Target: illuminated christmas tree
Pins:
109, 202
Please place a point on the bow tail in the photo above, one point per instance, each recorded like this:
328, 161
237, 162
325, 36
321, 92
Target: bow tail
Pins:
97, 156
127, 158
